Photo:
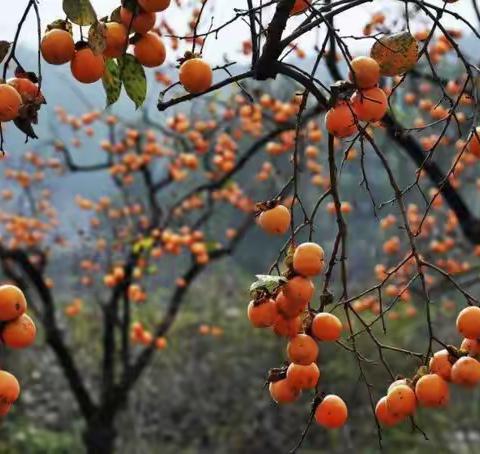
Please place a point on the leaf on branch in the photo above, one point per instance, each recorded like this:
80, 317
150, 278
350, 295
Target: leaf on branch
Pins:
97, 38
25, 126
115, 16
80, 12
144, 244
111, 82
396, 54
4, 48
267, 283
133, 77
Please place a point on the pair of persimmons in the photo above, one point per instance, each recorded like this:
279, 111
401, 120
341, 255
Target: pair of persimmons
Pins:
17, 330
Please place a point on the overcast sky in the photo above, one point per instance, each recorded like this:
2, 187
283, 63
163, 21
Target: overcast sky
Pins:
229, 40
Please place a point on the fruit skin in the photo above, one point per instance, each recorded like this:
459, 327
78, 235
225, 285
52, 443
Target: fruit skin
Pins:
468, 322
303, 377
28, 91
10, 103
150, 50
432, 391
472, 346
287, 327
9, 388
116, 40
474, 142
308, 259
4, 409
154, 6
384, 416
275, 221
57, 47
401, 400
440, 365
196, 75
19, 333
87, 67
326, 327
332, 412
366, 70
298, 7
302, 349
263, 314
142, 23
12, 302
370, 104
299, 289
283, 392
288, 308
396, 54
466, 372
340, 121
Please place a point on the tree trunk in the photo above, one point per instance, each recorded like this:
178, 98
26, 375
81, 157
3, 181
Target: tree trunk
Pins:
99, 436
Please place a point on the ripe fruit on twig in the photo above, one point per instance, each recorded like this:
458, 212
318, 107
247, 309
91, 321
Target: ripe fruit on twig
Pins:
326, 327
303, 376
366, 71
12, 302
466, 372
468, 322
19, 333
57, 47
340, 121
432, 391
332, 412
9, 388
299, 289
401, 400
141, 23
196, 75
299, 7
385, 416
87, 67
308, 259
370, 104
302, 349
440, 364
150, 50
283, 392
116, 37
154, 6
10, 103
263, 313
276, 220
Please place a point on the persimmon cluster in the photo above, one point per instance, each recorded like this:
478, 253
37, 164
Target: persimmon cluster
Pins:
133, 23
429, 387
391, 55
283, 304
20, 99
17, 331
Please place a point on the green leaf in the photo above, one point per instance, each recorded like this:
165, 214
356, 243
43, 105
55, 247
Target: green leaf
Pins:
97, 38
267, 283
4, 48
133, 77
80, 12
111, 82
145, 244
115, 16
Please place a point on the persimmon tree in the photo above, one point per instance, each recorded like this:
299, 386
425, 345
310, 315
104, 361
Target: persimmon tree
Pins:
413, 65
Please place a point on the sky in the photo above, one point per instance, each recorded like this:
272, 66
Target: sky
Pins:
229, 41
